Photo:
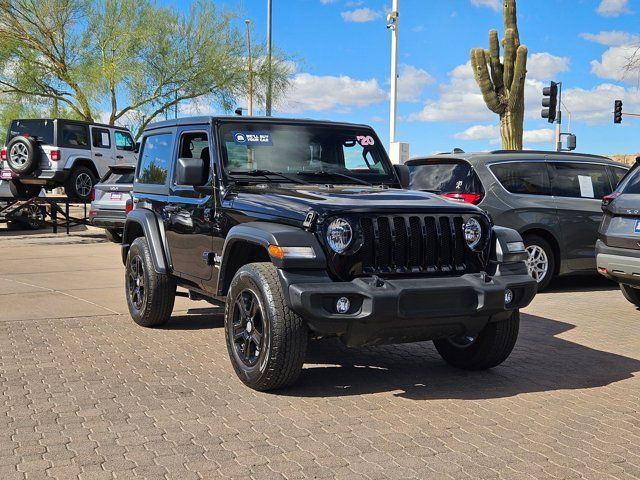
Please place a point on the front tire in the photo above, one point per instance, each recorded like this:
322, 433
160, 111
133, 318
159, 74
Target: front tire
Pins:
488, 349
150, 295
631, 294
541, 263
266, 340
80, 183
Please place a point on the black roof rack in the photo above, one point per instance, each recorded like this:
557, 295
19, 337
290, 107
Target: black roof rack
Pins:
548, 152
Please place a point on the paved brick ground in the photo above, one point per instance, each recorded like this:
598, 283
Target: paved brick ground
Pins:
87, 394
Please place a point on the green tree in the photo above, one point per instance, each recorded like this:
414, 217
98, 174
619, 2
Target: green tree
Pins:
131, 58
502, 81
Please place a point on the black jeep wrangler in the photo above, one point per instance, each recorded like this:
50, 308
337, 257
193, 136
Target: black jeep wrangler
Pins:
302, 228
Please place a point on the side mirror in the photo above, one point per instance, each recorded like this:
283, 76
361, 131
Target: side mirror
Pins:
190, 172
403, 174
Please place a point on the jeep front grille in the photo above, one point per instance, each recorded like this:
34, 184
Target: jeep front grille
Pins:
413, 243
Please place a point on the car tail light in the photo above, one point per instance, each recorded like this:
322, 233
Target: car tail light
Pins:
92, 194
93, 213
3, 154
54, 155
473, 198
129, 205
607, 199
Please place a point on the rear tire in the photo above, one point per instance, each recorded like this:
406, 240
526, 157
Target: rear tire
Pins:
542, 260
113, 235
266, 340
631, 294
80, 183
150, 295
490, 348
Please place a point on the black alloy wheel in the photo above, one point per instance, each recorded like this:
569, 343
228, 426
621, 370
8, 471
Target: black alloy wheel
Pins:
248, 328
136, 283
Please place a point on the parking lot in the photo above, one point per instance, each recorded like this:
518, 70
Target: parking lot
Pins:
88, 394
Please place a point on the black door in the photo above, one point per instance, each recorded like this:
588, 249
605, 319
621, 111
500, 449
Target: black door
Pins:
189, 215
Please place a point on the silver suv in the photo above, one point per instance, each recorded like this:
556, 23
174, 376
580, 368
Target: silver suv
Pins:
50, 153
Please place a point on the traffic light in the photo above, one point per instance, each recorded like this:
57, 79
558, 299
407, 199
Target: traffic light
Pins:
550, 102
617, 111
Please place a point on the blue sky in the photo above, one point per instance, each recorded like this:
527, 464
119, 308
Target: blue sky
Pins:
342, 53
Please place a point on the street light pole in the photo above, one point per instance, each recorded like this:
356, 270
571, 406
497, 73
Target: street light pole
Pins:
393, 20
250, 100
269, 86
559, 120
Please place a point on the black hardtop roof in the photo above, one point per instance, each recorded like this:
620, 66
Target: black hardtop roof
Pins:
497, 156
246, 119
69, 120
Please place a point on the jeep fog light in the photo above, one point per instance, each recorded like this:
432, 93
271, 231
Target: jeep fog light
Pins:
472, 233
508, 296
343, 305
339, 235
276, 251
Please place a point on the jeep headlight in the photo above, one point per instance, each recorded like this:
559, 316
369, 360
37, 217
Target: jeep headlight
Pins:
339, 235
472, 233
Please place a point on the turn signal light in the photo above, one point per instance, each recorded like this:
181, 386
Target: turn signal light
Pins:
54, 155
129, 206
92, 194
607, 199
276, 251
3, 154
473, 198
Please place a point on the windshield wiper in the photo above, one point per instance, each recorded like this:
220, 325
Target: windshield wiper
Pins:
267, 173
331, 173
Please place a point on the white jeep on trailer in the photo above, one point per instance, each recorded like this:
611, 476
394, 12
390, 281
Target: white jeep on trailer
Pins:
50, 153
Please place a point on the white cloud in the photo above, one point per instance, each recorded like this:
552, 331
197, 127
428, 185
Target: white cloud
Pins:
613, 63
544, 66
316, 93
360, 15
613, 8
411, 83
327, 2
612, 38
479, 132
537, 137
492, 4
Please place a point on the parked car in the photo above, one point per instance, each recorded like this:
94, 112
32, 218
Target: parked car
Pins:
301, 228
618, 245
30, 217
54, 153
552, 199
111, 200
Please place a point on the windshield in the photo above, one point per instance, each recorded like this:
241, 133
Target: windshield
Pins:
42, 130
305, 149
444, 177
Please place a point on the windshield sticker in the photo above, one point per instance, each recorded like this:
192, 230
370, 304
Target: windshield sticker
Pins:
252, 138
365, 140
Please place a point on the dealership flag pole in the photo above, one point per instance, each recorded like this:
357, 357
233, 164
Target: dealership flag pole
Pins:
393, 26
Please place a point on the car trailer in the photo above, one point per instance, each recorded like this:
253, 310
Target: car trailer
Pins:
37, 212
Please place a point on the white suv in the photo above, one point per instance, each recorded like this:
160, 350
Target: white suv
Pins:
50, 153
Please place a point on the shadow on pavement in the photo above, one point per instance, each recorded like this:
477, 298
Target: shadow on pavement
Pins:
581, 283
197, 319
540, 362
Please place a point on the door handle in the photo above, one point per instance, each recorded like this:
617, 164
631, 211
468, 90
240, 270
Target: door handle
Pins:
119, 157
98, 154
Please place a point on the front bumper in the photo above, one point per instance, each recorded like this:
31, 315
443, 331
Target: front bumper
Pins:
619, 264
408, 310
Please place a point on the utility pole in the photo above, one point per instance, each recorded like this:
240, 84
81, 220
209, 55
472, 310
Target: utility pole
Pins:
392, 24
559, 120
269, 86
250, 100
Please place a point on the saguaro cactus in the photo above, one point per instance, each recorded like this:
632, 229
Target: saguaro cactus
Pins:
502, 82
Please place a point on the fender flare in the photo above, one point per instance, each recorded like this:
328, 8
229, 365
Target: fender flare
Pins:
263, 234
145, 220
71, 162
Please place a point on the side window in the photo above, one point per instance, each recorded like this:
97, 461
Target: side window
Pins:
153, 167
618, 174
124, 141
74, 136
530, 178
100, 138
579, 180
195, 145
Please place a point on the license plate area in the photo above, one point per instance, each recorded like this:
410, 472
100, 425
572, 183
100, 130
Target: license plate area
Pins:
636, 228
115, 196
6, 175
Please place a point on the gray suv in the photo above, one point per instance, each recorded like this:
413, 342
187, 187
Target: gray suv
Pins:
552, 199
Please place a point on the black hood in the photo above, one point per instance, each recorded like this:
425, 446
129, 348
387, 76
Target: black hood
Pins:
293, 203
